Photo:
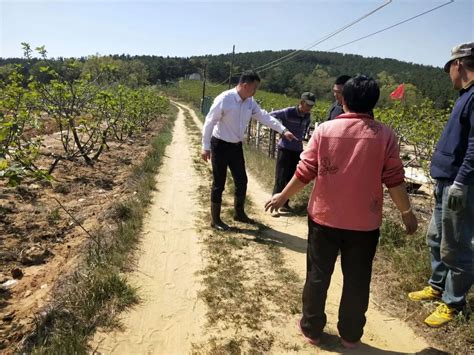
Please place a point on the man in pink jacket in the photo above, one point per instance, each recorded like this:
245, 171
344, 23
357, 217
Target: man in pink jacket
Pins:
350, 158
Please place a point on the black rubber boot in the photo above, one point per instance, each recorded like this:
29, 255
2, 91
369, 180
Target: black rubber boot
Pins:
216, 221
240, 215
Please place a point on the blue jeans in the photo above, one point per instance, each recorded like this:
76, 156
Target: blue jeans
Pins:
450, 238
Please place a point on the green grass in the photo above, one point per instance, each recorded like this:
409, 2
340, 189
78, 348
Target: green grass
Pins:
54, 216
98, 291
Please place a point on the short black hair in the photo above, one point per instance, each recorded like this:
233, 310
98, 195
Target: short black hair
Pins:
249, 76
342, 79
361, 94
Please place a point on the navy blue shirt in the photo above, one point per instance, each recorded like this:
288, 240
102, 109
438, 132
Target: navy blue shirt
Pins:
453, 157
297, 123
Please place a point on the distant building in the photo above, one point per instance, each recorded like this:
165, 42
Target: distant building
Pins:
194, 76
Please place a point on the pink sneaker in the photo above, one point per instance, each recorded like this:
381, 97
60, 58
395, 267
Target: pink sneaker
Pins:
309, 340
349, 344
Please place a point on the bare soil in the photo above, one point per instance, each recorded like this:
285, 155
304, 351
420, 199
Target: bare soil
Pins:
40, 241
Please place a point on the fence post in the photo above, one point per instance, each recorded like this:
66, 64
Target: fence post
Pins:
257, 138
271, 144
249, 132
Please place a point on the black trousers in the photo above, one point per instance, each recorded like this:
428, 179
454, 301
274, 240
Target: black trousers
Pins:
357, 253
286, 163
223, 155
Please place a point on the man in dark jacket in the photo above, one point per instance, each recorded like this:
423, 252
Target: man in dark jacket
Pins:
451, 231
336, 108
296, 119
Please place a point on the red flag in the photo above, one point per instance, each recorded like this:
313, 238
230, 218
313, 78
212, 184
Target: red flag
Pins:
398, 93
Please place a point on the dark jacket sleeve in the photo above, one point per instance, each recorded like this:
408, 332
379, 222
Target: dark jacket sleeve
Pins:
280, 115
335, 111
466, 171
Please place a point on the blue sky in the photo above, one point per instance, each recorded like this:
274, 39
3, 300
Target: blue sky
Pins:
186, 28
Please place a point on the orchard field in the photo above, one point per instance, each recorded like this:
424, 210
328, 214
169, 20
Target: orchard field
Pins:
104, 204
418, 125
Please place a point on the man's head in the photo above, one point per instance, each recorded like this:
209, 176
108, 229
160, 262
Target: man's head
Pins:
460, 65
308, 99
248, 84
338, 85
360, 94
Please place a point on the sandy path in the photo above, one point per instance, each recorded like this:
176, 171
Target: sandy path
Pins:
171, 316
383, 334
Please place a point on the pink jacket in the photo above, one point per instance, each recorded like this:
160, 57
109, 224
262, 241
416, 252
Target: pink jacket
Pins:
350, 157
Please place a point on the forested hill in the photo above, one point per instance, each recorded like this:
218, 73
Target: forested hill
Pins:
309, 70
315, 71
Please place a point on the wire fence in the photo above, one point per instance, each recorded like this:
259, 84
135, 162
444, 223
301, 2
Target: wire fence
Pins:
266, 139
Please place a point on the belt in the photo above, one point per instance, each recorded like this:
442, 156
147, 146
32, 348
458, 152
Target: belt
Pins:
225, 142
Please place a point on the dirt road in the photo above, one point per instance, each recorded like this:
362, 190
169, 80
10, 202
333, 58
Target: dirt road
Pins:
172, 318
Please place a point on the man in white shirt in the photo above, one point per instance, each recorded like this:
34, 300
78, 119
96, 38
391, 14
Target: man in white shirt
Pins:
222, 136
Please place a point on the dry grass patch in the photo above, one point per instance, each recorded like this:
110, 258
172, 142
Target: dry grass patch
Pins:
247, 287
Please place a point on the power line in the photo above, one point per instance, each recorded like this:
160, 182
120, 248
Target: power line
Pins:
319, 41
222, 83
392, 26
288, 56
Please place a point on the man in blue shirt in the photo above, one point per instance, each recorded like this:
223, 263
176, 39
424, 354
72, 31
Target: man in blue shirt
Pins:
450, 233
297, 120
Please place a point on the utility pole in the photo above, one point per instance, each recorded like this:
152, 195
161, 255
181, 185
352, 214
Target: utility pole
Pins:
231, 65
204, 85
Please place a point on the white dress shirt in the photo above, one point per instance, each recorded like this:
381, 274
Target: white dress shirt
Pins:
229, 116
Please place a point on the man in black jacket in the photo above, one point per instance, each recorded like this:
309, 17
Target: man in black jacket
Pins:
336, 108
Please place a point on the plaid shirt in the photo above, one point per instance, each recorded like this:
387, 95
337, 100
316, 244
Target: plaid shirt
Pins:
297, 123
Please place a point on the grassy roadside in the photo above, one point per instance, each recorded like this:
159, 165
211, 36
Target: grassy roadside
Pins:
246, 283
98, 291
264, 167
401, 259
